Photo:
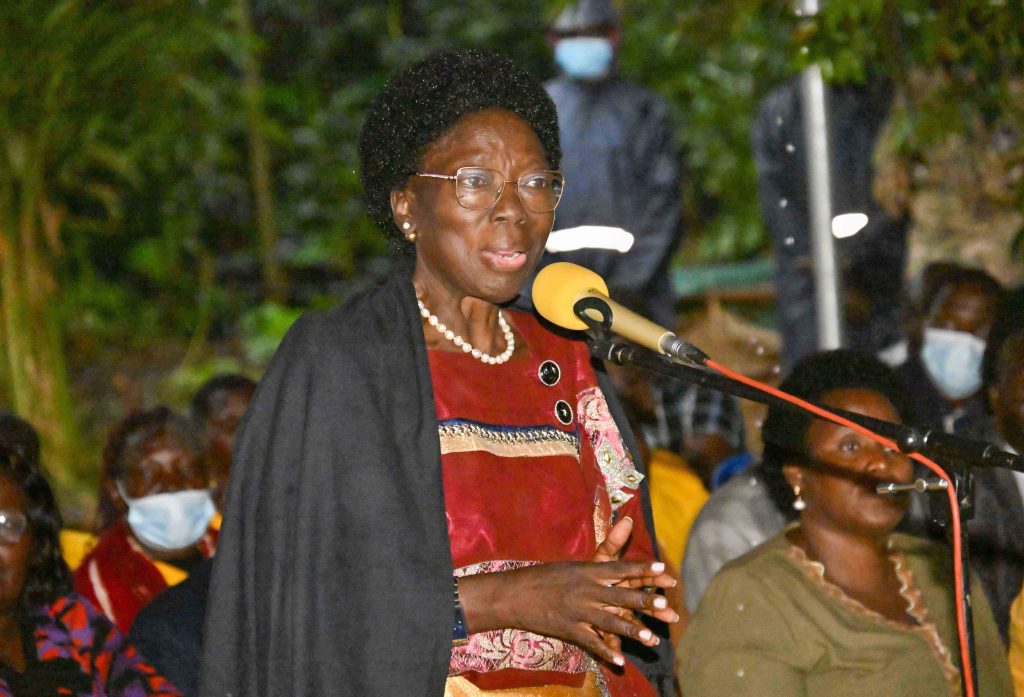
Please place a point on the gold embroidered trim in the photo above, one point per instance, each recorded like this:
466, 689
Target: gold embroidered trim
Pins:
815, 571
616, 464
528, 442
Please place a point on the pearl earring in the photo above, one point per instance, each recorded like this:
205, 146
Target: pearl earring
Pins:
798, 504
406, 225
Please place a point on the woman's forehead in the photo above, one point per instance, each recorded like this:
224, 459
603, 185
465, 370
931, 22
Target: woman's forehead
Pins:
483, 133
859, 400
163, 440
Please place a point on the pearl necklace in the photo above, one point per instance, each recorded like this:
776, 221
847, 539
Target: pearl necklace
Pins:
510, 340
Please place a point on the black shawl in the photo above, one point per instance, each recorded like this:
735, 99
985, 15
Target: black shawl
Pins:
333, 571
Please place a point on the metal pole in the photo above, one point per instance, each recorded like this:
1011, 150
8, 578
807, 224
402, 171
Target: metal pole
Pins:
829, 309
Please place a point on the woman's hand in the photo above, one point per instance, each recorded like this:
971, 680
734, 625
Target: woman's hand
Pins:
580, 602
611, 550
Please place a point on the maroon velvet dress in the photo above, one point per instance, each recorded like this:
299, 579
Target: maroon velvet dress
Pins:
534, 470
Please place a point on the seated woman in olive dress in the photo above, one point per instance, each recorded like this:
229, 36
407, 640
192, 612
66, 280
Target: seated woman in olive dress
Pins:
430, 493
53, 642
838, 604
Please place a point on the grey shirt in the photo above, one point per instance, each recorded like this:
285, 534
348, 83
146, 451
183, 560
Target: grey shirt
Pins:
739, 516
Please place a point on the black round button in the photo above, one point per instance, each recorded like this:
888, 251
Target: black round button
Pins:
549, 373
563, 412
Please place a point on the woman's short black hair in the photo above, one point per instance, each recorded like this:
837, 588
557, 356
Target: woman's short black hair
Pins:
126, 437
48, 577
784, 431
423, 102
18, 436
956, 275
202, 406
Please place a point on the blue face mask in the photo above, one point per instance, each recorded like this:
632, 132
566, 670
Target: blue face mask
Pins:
953, 361
171, 521
584, 57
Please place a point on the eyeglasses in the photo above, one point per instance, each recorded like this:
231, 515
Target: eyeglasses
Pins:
12, 526
479, 188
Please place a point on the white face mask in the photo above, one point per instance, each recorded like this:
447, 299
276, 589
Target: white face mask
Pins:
585, 57
171, 521
953, 361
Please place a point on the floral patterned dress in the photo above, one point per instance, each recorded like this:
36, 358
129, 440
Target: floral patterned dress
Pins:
72, 649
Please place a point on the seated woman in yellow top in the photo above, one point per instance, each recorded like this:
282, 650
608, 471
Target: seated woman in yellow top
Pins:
837, 605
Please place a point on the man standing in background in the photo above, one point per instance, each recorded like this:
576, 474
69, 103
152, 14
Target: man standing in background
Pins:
619, 158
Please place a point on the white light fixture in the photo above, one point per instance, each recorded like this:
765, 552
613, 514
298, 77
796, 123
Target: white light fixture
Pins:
848, 224
589, 237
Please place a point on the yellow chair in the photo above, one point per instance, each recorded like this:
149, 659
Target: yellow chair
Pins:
74, 545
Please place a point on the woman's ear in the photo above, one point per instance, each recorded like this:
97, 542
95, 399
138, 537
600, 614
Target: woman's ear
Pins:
110, 488
994, 397
401, 205
794, 476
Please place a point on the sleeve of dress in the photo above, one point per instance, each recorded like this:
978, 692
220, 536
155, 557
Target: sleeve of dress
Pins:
740, 644
993, 668
655, 664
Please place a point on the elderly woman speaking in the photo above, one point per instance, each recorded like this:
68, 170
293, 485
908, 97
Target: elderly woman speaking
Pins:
431, 494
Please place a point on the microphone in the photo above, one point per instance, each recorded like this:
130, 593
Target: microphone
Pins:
563, 290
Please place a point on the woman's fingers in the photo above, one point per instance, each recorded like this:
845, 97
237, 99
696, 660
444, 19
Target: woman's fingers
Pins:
634, 574
629, 599
585, 636
618, 536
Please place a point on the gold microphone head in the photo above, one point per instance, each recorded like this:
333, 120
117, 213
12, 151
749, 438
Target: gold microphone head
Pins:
557, 288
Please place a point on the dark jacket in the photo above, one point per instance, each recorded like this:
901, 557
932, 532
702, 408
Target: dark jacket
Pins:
872, 260
169, 631
622, 168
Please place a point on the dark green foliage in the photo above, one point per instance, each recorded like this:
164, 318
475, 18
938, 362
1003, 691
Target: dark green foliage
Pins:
131, 117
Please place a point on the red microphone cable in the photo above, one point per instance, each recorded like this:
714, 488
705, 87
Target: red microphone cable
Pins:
958, 571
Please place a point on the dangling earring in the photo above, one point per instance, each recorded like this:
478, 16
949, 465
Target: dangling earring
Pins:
409, 233
798, 503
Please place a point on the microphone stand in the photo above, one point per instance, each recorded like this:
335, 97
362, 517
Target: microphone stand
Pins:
963, 452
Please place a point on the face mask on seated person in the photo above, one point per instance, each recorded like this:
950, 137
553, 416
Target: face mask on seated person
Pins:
584, 57
953, 361
171, 521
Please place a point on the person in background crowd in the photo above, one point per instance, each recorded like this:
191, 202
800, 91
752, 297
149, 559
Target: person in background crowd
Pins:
737, 517
1005, 376
943, 376
169, 630
997, 542
216, 410
838, 604
431, 492
21, 438
619, 156
53, 642
155, 511
871, 261
706, 427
